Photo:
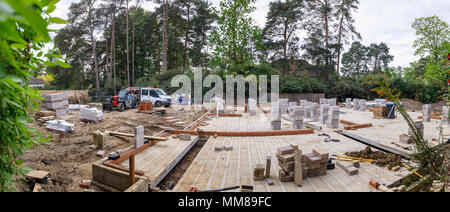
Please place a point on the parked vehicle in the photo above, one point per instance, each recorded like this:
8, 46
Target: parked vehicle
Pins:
157, 96
127, 99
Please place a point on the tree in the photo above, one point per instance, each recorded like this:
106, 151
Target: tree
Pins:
432, 34
379, 56
355, 61
346, 24
283, 21
433, 45
24, 33
236, 36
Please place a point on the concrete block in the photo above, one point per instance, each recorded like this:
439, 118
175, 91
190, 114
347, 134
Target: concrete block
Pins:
268, 164
53, 97
228, 148
184, 137
60, 126
138, 136
406, 139
91, 114
298, 167
288, 166
258, 173
285, 158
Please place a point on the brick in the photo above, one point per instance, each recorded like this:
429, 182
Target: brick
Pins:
85, 185
228, 148
258, 173
285, 150
374, 183
285, 158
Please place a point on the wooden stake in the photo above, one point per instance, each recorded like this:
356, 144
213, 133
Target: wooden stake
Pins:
132, 170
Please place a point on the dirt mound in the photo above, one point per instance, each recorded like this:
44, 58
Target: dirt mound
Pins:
379, 158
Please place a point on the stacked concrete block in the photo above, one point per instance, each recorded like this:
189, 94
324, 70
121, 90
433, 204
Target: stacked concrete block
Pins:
258, 173
348, 103
315, 112
252, 107
409, 139
101, 139
324, 110
445, 115
57, 102
426, 113
139, 136
284, 106
333, 102
316, 163
291, 108
275, 116
297, 117
303, 102
355, 104
333, 117
362, 105
285, 157
323, 101
91, 114
308, 110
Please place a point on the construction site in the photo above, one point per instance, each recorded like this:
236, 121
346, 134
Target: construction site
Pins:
283, 146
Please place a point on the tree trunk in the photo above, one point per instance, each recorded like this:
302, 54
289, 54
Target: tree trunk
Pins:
341, 25
128, 57
187, 35
94, 47
132, 55
166, 20
285, 38
113, 51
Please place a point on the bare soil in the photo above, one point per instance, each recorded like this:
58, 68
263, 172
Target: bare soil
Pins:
68, 158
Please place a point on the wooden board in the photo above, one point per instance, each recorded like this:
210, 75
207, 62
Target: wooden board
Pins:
212, 170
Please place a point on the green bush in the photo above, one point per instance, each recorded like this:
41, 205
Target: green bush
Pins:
22, 36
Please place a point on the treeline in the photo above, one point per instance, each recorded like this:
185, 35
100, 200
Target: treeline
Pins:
113, 44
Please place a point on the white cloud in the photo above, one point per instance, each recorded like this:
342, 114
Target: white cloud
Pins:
377, 20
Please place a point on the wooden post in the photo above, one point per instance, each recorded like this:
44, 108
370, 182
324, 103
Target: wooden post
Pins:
132, 170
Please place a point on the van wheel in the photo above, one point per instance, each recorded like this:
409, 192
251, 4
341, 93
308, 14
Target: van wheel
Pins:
158, 104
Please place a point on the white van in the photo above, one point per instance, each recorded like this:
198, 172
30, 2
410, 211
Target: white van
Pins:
157, 96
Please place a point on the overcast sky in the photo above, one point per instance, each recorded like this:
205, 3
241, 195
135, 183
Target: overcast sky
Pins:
378, 21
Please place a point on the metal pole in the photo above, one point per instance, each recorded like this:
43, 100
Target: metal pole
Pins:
132, 170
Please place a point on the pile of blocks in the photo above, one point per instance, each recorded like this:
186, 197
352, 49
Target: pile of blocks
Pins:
58, 102
316, 163
348, 103
362, 105
426, 113
252, 106
333, 117
101, 139
285, 157
445, 115
296, 167
91, 115
380, 112
308, 109
297, 117
275, 120
324, 110
145, 106
408, 139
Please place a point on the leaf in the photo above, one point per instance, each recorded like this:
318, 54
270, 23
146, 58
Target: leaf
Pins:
57, 20
63, 64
